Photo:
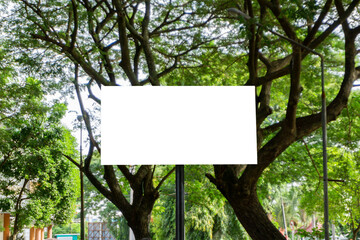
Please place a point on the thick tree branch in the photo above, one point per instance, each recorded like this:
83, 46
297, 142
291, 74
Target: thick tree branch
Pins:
355, 231
141, 173
94, 181
146, 46
138, 50
77, 58
164, 179
73, 161
18, 207
264, 108
291, 110
108, 47
91, 94
169, 69
76, 24
341, 11
284, 22
253, 47
85, 115
163, 73
140, 179
125, 171
106, 20
125, 63
130, 23
318, 23
111, 180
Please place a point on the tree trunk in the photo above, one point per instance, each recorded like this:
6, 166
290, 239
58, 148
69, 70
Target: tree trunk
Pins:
140, 227
16, 227
243, 199
139, 220
17, 208
355, 233
259, 227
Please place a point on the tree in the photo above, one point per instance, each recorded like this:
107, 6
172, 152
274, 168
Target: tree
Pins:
138, 41
90, 34
308, 25
37, 183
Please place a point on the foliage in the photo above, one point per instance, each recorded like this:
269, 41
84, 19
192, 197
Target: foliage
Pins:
302, 179
315, 234
67, 228
207, 214
343, 169
163, 225
37, 183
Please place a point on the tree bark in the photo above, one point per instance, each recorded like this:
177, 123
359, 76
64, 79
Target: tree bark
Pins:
259, 227
16, 228
244, 200
140, 224
17, 208
355, 231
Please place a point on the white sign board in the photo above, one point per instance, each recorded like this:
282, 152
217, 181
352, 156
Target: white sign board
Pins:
178, 125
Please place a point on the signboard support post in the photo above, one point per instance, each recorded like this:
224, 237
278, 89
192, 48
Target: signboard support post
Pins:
180, 202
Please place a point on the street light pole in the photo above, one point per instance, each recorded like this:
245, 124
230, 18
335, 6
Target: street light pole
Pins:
323, 113
131, 233
284, 217
82, 220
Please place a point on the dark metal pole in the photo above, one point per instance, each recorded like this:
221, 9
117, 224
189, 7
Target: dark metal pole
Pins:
180, 203
82, 220
323, 114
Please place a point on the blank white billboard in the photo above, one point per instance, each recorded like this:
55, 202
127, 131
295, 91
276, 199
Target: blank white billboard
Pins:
178, 125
